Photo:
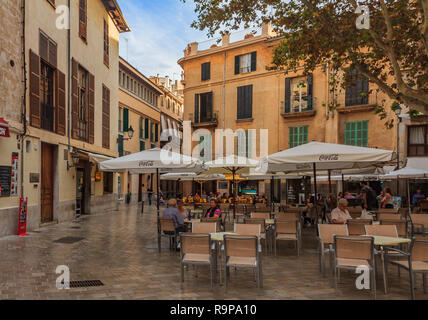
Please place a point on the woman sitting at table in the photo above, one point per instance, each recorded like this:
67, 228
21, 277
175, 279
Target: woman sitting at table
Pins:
341, 215
180, 207
214, 211
197, 197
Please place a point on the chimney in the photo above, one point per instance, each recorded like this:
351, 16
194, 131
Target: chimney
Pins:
225, 39
267, 29
194, 48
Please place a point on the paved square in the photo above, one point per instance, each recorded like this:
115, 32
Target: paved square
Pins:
120, 250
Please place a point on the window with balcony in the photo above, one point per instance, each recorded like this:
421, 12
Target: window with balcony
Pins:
417, 141
83, 114
47, 80
298, 136
298, 95
205, 147
357, 133
204, 107
246, 63
357, 92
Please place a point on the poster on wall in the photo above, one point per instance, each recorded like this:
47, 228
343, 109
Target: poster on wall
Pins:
14, 175
5, 180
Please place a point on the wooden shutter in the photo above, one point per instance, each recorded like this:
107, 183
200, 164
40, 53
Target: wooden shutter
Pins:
60, 104
237, 64
74, 99
146, 127
240, 102
125, 120
254, 61
249, 102
156, 132
106, 43
34, 90
310, 91
83, 19
209, 111
44, 47
91, 109
52, 53
287, 99
196, 108
47, 49
106, 118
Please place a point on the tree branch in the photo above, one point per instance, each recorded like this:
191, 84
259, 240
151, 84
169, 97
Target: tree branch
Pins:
424, 27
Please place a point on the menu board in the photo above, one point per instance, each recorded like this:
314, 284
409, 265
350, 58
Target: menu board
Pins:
14, 175
5, 180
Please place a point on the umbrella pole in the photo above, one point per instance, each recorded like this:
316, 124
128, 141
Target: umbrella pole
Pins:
271, 194
329, 181
316, 191
158, 191
408, 197
343, 184
234, 193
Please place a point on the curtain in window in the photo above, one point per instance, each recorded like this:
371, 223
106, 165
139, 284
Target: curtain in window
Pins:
417, 135
246, 63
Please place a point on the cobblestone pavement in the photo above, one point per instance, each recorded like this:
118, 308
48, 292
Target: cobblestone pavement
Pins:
120, 249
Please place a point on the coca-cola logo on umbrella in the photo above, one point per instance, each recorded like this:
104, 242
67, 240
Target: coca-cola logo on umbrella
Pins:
329, 157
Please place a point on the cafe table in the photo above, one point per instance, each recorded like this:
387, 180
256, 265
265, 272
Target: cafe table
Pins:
381, 242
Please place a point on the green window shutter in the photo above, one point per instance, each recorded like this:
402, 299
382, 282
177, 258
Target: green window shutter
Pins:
254, 61
142, 145
125, 120
356, 133
298, 136
287, 101
120, 146
141, 128
237, 64
156, 132
310, 91
146, 126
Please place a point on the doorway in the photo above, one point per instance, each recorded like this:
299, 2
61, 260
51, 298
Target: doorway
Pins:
80, 192
47, 183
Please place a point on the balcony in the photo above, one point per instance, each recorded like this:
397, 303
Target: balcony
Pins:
361, 103
298, 113
209, 121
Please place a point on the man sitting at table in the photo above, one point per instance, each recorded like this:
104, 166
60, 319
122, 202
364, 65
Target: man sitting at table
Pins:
341, 215
214, 211
173, 213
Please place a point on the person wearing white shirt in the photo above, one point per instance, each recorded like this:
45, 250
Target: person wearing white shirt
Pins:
341, 215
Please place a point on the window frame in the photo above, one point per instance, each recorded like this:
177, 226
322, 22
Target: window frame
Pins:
425, 145
297, 136
358, 134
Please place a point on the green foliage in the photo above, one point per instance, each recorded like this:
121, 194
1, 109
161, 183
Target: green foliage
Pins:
393, 53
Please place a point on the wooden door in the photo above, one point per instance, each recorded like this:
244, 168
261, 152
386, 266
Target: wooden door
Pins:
47, 187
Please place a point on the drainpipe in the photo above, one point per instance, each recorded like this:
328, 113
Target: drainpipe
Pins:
69, 76
224, 90
24, 99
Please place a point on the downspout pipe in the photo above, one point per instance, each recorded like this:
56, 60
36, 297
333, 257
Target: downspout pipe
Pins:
69, 76
24, 100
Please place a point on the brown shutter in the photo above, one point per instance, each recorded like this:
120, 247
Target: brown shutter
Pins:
106, 43
52, 53
106, 118
60, 104
44, 47
82, 19
91, 111
74, 100
34, 90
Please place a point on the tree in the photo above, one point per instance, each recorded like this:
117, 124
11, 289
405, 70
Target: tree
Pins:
392, 53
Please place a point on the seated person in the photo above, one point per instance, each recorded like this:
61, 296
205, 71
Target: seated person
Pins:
180, 207
174, 214
214, 211
418, 196
341, 215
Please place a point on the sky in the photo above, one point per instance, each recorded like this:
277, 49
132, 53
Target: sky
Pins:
160, 31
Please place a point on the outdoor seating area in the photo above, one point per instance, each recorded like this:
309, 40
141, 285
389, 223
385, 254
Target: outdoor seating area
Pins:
227, 233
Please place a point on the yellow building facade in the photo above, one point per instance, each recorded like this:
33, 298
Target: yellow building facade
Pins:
138, 109
69, 103
229, 86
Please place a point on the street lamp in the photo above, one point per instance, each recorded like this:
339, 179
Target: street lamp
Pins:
397, 111
74, 160
130, 133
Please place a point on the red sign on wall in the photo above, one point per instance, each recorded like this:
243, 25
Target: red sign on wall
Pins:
22, 223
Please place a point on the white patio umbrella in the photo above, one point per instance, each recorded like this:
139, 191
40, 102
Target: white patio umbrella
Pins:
154, 161
407, 173
323, 156
233, 163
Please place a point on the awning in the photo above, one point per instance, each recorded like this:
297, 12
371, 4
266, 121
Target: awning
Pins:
418, 163
4, 128
98, 158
